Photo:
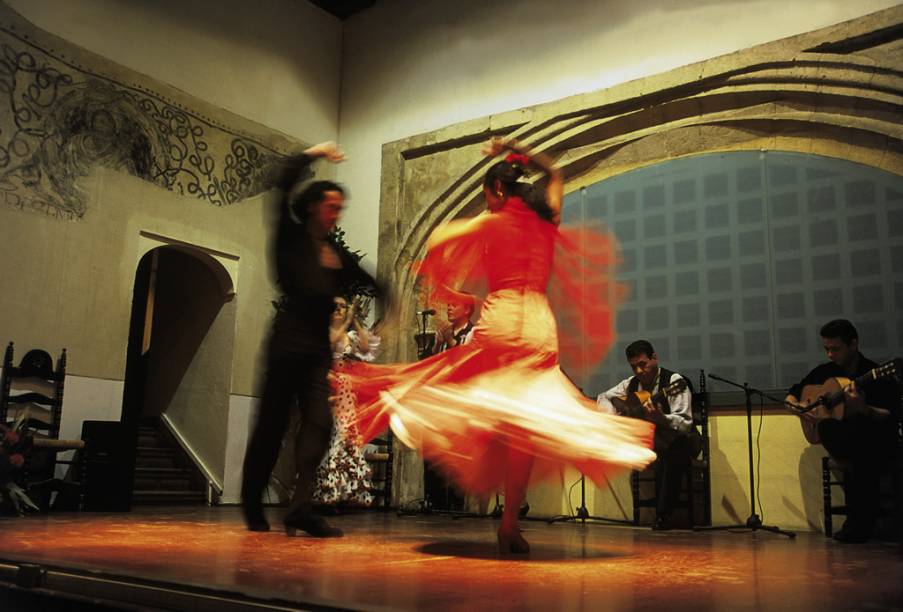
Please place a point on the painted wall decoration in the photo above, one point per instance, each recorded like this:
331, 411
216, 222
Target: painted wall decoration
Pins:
59, 118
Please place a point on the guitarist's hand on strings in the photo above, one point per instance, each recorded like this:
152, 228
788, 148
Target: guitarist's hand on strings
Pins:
853, 401
794, 404
653, 412
854, 404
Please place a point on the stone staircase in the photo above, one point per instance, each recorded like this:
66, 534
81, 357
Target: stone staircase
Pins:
164, 474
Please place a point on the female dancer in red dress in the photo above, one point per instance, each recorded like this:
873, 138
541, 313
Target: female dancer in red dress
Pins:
499, 408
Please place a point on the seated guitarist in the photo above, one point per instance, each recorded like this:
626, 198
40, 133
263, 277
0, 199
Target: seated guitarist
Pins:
672, 417
865, 438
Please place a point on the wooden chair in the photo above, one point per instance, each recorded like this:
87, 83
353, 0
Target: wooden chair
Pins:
34, 386
381, 464
696, 492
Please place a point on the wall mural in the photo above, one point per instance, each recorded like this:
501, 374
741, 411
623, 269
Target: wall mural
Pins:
58, 120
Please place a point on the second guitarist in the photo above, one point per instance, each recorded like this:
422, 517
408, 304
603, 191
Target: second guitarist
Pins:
673, 414
863, 435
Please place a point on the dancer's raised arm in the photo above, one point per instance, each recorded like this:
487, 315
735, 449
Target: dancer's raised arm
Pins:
527, 157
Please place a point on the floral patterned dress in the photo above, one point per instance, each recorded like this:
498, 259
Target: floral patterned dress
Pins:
344, 477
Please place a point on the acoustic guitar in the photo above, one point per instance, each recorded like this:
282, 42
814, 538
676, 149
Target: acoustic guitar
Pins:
633, 405
826, 399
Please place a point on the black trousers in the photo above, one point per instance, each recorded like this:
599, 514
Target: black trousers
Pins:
291, 373
670, 469
865, 446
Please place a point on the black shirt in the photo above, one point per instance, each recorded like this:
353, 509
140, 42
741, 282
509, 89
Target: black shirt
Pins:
309, 289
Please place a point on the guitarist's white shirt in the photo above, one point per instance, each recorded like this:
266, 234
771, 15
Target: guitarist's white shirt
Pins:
681, 417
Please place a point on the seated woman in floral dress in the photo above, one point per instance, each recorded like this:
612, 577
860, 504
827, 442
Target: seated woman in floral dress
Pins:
344, 477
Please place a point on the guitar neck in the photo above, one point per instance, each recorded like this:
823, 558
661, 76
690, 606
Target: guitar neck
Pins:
873, 374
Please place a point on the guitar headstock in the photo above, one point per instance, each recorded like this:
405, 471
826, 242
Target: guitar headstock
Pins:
674, 388
890, 369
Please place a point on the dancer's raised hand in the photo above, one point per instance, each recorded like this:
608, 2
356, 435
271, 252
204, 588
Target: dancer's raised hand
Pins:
495, 146
329, 149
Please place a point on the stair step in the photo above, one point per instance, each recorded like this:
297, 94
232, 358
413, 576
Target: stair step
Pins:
155, 450
164, 484
168, 497
161, 471
156, 463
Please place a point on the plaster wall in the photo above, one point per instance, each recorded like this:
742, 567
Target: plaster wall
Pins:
276, 62
414, 67
80, 295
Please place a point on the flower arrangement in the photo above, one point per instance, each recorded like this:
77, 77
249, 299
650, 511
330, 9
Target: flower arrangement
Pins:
15, 444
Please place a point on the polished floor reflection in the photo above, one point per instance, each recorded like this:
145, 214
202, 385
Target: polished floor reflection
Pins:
399, 563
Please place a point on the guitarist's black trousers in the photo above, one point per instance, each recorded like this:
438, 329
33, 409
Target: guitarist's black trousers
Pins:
670, 468
865, 447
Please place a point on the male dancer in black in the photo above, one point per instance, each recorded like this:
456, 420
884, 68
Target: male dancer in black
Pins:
311, 269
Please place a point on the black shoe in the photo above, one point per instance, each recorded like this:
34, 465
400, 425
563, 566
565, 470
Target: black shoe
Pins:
849, 535
255, 520
524, 509
315, 526
855, 530
662, 523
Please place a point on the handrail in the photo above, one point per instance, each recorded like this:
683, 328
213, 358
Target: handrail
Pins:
212, 481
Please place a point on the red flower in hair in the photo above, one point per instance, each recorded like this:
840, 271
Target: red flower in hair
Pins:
12, 437
519, 159
17, 460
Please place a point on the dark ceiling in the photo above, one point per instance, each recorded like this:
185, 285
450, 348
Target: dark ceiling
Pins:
343, 9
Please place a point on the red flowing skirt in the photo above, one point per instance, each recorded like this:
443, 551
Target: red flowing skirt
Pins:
467, 408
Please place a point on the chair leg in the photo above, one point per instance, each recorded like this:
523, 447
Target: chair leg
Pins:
635, 491
898, 499
826, 496
691, 499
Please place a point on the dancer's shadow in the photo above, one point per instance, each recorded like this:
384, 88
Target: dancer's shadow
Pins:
538, 552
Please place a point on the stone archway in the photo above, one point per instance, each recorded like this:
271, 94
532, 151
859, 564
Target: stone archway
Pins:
835, 92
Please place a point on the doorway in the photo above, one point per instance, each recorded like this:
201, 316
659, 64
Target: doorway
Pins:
178, 369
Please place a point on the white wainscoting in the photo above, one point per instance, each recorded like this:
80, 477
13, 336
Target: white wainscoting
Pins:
242, 413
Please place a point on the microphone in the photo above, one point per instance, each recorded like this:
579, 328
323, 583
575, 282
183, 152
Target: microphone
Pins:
428, 312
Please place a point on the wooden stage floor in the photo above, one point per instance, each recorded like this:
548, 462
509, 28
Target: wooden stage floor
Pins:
202, 558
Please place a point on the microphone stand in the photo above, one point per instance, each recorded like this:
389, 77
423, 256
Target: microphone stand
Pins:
582, 513
753, 522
